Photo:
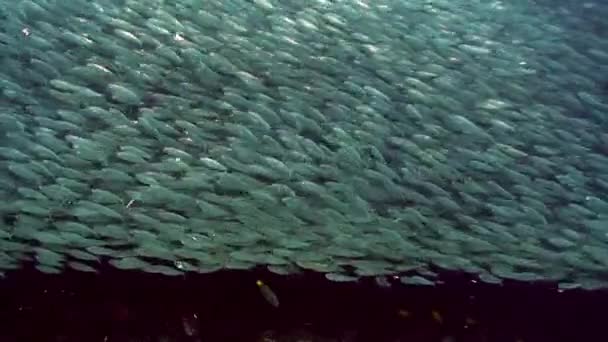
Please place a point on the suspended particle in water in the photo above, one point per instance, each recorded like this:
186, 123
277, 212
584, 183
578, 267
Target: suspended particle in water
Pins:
190, 324
404, 314
469, 322
437, 316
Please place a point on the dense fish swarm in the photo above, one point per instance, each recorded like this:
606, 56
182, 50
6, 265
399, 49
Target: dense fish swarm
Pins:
354, 138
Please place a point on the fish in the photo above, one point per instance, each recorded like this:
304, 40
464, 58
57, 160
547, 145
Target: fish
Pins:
268, 294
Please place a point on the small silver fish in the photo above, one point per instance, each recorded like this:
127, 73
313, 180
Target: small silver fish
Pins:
268, 294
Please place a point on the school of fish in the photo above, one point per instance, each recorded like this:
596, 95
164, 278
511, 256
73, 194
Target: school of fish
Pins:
350, 137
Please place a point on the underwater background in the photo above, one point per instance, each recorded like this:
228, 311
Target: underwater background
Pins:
350, 144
